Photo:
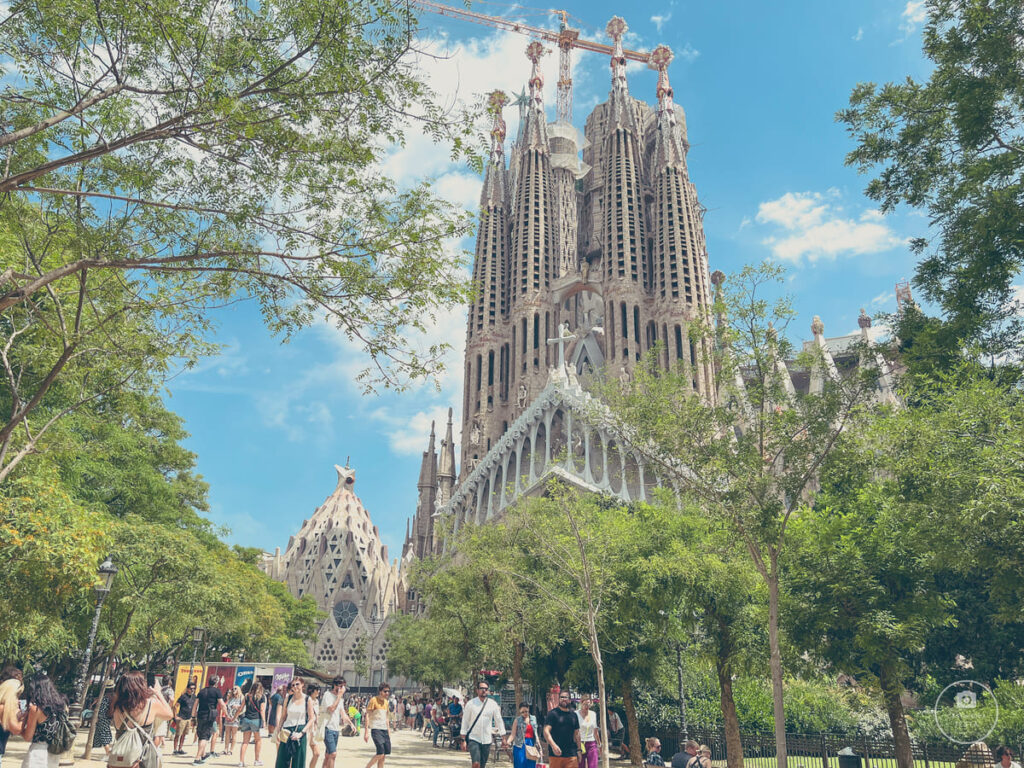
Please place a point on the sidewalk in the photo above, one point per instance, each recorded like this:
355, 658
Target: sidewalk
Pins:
410, 751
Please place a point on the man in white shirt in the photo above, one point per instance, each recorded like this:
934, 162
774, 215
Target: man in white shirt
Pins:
480, 719
334, 705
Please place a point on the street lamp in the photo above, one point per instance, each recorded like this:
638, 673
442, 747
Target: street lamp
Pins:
106, 573
197, 638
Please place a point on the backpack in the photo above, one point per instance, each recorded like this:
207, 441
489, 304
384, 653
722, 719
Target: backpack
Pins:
64, 733
133, 747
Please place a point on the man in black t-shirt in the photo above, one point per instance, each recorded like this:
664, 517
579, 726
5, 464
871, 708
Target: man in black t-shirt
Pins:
209, 703
186, 703
562, 733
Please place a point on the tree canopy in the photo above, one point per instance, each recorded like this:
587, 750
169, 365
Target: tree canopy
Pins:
953, 146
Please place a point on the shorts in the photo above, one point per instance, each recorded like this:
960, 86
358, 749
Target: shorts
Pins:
161, 730
563, 762
330, 741
478, 753
381, 740
249, 725
183, 725
204, 729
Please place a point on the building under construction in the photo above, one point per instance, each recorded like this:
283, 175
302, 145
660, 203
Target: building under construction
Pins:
590, 252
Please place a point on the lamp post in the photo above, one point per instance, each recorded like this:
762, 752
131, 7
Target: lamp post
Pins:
197, 638
107, 571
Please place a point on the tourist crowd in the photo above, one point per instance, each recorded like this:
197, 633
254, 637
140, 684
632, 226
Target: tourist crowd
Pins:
306, 720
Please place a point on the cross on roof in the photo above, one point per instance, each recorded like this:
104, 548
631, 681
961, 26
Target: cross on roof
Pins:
560, 340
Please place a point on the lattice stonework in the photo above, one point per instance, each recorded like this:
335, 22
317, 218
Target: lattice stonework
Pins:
338, 558
327, 654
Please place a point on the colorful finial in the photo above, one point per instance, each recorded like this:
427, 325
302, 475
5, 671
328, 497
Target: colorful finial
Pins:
533, 52
661, 57
616, 28
496, 100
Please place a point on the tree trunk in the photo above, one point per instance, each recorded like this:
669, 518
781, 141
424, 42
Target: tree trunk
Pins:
733, 743
517, 672
778, 708
892, 690
595, 653
636, 754
103, 683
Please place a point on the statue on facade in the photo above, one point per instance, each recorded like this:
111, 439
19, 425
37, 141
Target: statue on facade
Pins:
524, 394
474, 434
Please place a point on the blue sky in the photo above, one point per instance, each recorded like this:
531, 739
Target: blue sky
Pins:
760, 83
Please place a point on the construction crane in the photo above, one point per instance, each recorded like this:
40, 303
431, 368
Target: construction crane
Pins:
565, 38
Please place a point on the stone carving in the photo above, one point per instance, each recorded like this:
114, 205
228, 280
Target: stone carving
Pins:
522, 396
818, 327
474, 434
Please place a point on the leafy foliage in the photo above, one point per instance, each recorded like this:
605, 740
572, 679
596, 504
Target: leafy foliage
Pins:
954, 146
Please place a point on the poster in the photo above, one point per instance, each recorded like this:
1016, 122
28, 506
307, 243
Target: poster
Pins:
182, 677
282, 676
244, 676
226, 673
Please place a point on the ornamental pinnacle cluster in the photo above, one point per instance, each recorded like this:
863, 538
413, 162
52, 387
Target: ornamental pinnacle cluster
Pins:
614, 247
608, 250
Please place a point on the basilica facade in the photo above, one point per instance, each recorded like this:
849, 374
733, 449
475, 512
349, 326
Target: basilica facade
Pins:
337, 558
590, 253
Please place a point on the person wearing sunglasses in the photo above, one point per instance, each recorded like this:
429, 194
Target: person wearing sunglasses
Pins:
377, 726
480, 719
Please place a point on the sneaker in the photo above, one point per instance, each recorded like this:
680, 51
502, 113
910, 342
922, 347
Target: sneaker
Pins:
241, 765
198, 761
258, 763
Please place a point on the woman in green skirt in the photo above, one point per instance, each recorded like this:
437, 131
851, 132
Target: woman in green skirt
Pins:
295, 719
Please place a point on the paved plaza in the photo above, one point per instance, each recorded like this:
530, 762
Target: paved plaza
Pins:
410, 751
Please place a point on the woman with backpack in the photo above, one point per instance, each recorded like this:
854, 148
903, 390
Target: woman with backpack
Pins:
296, 719
136, 707
45, 718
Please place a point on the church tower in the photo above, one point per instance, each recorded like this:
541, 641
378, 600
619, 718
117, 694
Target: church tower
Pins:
609, 245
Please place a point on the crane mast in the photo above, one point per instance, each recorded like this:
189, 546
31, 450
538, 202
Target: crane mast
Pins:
566, 38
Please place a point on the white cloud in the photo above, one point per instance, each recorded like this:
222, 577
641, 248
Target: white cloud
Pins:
913, 16
660, 20
408, 435
812, 225
859, 36
688, 54
883, 298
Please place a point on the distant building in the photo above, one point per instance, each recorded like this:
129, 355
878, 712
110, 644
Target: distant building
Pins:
337, 558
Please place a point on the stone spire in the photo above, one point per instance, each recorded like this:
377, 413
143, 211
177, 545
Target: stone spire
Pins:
669, 150
428, 468
446, 464
533, 132
492, 237
823, 365
623, 230
621, 106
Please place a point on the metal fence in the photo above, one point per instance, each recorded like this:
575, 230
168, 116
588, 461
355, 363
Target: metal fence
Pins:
821, 750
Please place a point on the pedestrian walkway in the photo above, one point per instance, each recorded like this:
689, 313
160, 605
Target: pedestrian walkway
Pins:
410, 751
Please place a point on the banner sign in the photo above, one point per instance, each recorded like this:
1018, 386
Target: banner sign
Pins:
244, 676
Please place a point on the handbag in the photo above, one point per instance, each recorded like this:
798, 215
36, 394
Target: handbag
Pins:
533, 753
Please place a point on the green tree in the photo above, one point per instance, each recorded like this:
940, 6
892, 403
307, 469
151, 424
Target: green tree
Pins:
750, 456
50, 547
916, 503
954, 147
192, 154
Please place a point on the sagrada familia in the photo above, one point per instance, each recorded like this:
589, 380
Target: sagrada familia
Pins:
590, 252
